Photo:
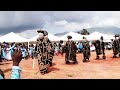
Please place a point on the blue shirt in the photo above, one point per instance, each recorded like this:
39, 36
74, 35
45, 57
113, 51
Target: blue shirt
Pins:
16, 73
80, 46
1, 77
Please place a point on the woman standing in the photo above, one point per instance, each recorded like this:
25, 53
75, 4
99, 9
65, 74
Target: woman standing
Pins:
24, 52
8, 52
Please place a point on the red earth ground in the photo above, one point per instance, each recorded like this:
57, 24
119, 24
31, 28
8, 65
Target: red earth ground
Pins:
95, 69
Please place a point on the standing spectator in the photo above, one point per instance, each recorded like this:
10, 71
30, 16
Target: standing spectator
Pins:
3, 54
24, 52
8, 52
31, 51
81, 47
56, 49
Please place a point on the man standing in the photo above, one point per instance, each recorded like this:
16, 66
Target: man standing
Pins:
100, 48
50, 47
97, 48
70, 50
86, 50
116, 46
44, 50
119, 45
41, 51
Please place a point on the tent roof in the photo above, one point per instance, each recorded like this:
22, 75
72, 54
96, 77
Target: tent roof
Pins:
50, 36
97, 35
12, 37
75, 36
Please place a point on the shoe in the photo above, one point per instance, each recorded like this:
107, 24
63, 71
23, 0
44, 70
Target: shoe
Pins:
114, 56
104, 57
84, 60
75, 62
67, 62
97, 57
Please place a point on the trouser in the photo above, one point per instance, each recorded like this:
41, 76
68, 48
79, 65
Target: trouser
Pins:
98, 51
115, 51
72, 56
103, 51
50, 58
85, 55
43, 65
32, 55
66, 58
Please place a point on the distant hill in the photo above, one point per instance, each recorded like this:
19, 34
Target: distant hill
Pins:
106, 30
61, 34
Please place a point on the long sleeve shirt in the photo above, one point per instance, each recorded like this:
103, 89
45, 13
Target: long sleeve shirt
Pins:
16, 73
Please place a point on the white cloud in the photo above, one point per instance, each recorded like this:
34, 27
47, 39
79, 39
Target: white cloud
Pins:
28, 33
58, 21
75, 26
61, 23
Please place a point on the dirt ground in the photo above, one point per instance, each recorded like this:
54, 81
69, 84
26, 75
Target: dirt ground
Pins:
95, 69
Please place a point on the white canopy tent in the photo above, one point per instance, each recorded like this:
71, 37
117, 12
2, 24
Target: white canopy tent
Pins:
75, 36
12, 37
107, 41
50, 36
97, 35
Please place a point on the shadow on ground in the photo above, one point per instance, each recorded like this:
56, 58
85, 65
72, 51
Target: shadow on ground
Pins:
4, 63
53, 69
7, 70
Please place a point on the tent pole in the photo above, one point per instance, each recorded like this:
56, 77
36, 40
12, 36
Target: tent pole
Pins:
28, 44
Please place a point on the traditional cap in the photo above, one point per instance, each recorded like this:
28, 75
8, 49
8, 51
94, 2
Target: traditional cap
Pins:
61, 41
45, 33
40, 31
69, 37
101, 37
117, 35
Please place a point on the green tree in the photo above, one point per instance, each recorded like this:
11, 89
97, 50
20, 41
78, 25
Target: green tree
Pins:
84, 32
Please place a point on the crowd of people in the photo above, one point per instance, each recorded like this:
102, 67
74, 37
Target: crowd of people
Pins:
6, 50
44, 50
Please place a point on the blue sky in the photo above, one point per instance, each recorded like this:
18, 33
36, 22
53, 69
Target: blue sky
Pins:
25, 23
